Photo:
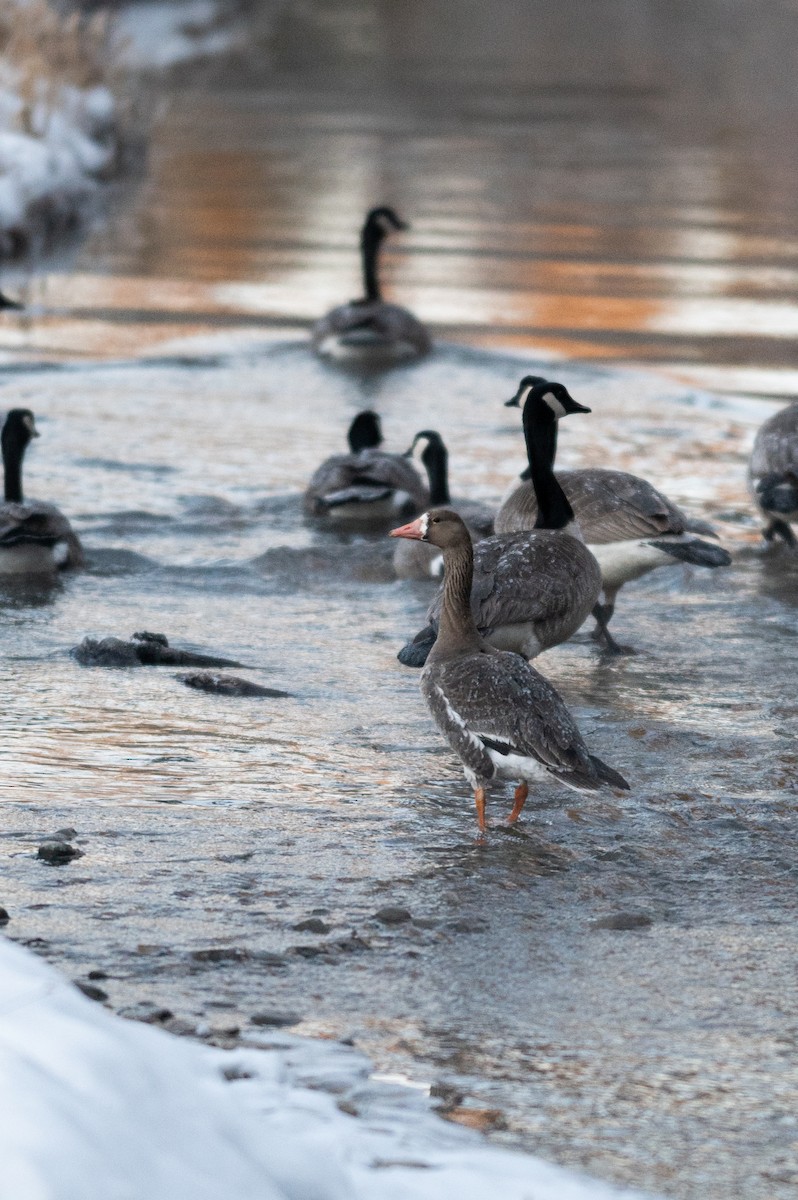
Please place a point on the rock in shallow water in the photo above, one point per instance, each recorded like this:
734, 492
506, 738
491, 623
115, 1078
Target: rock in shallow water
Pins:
227, 685
144, 649
623, 920
58, 853
392, 914
274, 1018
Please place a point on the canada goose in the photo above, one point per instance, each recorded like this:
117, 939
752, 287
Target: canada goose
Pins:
7, 302
35, 537
533, 589
773, 473
367, 484
498, 714
414, 559
630, 527
371, 330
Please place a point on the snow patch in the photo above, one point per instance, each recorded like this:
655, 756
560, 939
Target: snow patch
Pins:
93, 1107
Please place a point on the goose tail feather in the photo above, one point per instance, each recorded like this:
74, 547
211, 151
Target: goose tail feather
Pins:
695, 551
608, 775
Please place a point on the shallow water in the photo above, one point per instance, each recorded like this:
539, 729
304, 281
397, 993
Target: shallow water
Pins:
621, 190
209, 822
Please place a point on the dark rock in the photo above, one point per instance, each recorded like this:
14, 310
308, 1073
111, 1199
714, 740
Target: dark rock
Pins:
150, 1014
107, 652
268, 958
4, 917
350, 944
313, 925
227, 685
468, 925
63, 835
623, 920
221, 954
88, 989
393, 915
272, 1017
308, 951
180, 1026
58, 853
159, 639
145, 649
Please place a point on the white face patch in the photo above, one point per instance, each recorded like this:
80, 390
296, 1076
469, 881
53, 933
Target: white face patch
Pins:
423, 525
554, 404
29, 424
523, 395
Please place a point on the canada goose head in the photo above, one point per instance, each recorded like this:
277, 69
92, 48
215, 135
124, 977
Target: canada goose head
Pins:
7, 302
435, 459
18, 429
439, 526
380, 222
534, 391
365, 432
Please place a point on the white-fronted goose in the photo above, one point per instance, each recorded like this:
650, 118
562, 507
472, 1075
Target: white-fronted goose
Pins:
773, 473
419, 560
630, 527
371, 330
35, 537
499, 715
367, 484
531, 590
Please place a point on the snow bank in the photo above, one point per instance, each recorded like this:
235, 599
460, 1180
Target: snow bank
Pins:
58, 124
93, 1107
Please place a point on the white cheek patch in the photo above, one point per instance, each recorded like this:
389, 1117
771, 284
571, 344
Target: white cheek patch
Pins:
423, 525
554, 404
523, 395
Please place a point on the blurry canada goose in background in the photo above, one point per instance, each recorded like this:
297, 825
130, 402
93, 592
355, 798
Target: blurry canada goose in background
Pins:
414, 559
35, 537
630, 527
773, 473
371, 330
7, 302
498, 714
367, 484
533, 589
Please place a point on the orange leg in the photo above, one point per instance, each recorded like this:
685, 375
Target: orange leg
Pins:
521, 793
479, 800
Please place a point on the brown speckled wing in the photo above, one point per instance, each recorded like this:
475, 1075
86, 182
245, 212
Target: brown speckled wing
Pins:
532, 576
500, 697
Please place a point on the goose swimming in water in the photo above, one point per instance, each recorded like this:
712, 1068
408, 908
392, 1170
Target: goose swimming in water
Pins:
533, 589
773, 473
630, 527
371, 330
419, 560
498, 714
367, 484
35, 537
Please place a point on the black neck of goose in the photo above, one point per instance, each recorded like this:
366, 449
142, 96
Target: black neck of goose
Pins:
540, 431
436, 460
13, 451
369, 245
457, 629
